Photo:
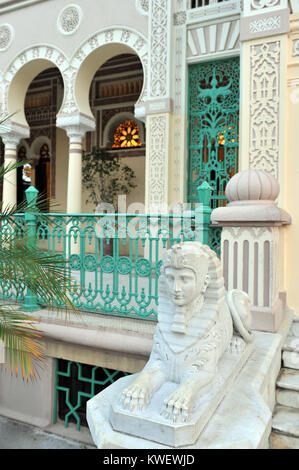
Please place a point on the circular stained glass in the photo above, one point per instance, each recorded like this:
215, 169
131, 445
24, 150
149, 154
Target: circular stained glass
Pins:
127, 136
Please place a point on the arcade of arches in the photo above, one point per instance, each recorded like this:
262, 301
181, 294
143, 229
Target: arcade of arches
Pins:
114, 90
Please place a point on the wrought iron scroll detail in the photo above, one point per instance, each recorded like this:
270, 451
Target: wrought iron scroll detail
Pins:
213, 126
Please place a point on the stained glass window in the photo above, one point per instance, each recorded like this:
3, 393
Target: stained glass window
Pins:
127, 135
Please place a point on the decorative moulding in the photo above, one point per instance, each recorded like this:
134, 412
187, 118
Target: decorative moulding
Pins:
6, 36
142, 6
295, 48
266, 24
252, 7
219, 38
164, 105
179, 18
207, 13
69, 19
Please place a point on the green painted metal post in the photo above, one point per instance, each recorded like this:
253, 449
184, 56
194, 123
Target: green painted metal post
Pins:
203, 212
30, 301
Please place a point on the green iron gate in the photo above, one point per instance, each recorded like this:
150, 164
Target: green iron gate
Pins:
213, 126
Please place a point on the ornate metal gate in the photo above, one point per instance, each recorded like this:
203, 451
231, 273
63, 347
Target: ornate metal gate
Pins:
213, 126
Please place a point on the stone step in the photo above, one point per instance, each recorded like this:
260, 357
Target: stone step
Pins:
294, 330
287, 398
286, 421
280, 441
290, 359
291, 344
288, 379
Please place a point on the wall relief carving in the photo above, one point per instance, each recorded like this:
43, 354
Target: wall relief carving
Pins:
69, 19
6, 36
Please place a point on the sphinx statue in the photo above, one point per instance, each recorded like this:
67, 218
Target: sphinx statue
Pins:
198, 322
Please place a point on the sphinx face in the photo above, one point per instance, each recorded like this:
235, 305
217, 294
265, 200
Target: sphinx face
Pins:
182, 285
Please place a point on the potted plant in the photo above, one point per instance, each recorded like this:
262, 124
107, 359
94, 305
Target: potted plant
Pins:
105, 177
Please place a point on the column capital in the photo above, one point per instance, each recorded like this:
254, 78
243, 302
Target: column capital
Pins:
76, 125
264, 18
12, 133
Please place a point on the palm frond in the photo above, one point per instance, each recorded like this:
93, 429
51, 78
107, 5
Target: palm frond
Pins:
22, 340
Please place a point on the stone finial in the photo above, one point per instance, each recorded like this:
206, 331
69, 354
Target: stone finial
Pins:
251, 198
252, 186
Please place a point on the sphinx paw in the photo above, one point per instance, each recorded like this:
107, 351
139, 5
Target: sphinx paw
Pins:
134, 397
176, 408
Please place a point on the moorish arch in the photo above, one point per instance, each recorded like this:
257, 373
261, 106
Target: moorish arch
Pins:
93, 53
24, 68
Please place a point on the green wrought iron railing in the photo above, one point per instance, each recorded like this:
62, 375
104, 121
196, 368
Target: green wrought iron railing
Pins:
114, 259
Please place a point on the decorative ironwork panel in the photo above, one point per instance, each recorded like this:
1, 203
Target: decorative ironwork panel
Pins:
213, 126
114, 260
75, 384
13, 231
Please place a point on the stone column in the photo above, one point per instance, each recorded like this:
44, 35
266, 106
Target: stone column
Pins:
11, 136
251, 245
10, 180
264, 48
76, 127
74, 182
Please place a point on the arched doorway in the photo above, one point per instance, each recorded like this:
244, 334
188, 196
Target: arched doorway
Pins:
42, 102
114, 91
43, 175
21, 184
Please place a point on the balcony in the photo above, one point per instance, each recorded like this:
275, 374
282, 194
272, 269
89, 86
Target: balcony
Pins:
204, 3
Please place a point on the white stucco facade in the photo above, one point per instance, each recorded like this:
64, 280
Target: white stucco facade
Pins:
167, 36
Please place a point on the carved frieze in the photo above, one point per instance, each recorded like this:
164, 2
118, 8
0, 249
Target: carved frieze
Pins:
159, 49
158, 169
265, 106
265, 24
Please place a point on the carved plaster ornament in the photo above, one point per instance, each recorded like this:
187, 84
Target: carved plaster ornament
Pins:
196, 325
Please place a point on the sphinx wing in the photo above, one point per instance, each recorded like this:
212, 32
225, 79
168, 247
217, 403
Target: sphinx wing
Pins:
239, 306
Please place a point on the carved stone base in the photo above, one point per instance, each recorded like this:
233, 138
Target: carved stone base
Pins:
149, 424
242, 420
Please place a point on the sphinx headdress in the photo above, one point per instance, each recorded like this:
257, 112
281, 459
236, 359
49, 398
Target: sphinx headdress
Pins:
191, 255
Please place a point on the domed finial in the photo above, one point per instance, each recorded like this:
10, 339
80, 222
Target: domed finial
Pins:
252, 185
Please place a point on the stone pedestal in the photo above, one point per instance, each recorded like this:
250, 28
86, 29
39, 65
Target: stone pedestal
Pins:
242, 420
252, 251
149, 424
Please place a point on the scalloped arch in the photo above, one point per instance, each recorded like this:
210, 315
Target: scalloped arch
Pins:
22, 70
93, 52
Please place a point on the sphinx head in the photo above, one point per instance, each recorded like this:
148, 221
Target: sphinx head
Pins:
186, 269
